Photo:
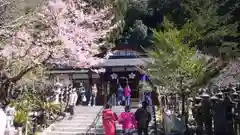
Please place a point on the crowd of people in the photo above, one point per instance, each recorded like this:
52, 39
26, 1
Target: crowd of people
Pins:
124, 95
83, 94
79, 97
131, 122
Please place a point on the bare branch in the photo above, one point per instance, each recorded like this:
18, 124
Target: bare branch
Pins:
28, 69
26, 51
13, 23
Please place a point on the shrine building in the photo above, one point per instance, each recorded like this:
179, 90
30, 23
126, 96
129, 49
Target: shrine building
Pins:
122, 67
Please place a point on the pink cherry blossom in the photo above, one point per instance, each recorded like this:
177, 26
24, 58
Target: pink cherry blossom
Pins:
70, 29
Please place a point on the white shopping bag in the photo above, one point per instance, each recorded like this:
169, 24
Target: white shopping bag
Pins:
84, 99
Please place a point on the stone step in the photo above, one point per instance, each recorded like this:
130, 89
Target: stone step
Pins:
118, 126
94, 107
80, 117
80, 129
87, 108
84, 113
120, 110
63, 133
101, 131
100, 126
97, 132
81, 121
60, 125
100, 122
118, 132
89, 120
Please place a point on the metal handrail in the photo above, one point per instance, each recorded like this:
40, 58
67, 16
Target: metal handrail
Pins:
93, 124
95, 121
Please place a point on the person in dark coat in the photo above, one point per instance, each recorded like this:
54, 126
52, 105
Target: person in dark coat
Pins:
120, 93
143, 117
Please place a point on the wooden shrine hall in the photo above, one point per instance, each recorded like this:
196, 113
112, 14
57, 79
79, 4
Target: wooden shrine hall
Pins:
121, 67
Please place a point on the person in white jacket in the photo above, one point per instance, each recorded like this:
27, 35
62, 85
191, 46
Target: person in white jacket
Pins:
93, 95
3, 122
73, 101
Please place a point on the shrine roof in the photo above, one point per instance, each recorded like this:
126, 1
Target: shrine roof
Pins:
57, 66
126, 47
125, 62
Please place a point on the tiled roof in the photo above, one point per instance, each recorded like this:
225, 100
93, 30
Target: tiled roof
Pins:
125, 62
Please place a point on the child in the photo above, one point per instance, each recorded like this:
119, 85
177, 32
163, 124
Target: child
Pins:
126, 119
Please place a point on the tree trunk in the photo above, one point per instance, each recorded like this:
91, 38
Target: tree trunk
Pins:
6, 81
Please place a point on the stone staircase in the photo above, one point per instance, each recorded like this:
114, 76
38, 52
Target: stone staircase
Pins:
78, 125
83, 118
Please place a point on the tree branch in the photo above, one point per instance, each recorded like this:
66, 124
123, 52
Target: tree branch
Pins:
28, 69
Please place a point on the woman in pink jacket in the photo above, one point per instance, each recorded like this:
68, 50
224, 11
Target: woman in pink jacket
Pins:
126, 119
109, 118
127, 94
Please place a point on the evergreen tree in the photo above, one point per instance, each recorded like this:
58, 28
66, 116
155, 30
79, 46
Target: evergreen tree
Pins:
211, 26
174, 60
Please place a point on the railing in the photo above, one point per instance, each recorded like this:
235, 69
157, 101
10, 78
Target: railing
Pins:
96, 119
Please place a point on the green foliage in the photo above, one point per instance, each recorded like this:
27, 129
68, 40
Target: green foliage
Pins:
121, 7
135, 31
20, 117
210, 26
203, 25
136, 34
174, 60
139, 30
145, 86
137, 9
31, 101
50, 107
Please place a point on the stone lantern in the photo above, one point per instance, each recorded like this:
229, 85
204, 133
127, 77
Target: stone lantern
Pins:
10, 111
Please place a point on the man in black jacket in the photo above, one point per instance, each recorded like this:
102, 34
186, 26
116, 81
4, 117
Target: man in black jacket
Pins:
143, 117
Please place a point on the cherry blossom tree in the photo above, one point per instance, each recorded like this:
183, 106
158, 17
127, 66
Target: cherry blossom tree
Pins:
60, 31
